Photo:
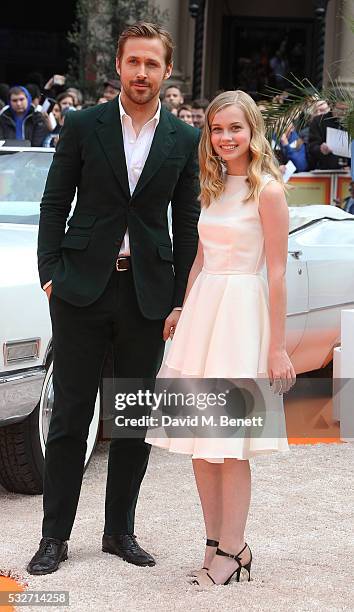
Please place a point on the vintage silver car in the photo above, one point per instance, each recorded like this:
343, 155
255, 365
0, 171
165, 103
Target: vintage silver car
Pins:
26, 387
320, 279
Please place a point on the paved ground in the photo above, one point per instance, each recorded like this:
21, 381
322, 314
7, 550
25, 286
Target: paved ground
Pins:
300, 529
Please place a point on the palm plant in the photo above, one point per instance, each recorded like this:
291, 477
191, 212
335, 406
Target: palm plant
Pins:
299, 104
300, 101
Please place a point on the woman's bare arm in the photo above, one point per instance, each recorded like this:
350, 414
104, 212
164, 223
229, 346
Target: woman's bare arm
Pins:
274, 213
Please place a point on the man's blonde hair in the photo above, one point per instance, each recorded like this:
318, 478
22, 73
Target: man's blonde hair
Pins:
143, 29
262, 158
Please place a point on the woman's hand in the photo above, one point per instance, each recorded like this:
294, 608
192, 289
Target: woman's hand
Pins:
280, 371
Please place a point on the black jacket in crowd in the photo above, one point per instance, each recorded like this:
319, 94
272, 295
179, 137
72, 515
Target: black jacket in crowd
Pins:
34, 128
317, 135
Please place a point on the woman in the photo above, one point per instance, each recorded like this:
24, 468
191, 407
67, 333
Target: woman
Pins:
185, 114
232, 324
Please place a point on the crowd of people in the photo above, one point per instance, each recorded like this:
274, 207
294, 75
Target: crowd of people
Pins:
29, 114
36, 116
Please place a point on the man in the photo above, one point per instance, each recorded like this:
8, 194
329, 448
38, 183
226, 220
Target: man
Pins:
198, 112
173, 97
111, 89
319, 153
20, 121
113, 278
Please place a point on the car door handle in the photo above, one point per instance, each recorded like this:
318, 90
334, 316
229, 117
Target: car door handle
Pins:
295, 254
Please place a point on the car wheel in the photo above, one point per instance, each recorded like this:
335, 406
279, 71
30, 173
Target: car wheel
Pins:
22, 445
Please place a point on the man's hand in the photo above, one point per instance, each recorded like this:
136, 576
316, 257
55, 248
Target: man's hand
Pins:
324, 148
170, 324
48, 291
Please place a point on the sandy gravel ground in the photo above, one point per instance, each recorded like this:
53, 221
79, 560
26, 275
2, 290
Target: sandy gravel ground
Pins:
300, 530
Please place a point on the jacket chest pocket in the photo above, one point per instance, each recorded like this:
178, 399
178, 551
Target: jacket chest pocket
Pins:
175, 162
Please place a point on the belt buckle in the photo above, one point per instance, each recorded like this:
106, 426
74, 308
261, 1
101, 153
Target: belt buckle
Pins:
117, 264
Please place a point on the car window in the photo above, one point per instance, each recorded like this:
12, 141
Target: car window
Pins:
22, 180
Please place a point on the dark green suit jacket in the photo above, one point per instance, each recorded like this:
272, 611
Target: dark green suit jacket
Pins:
90, 157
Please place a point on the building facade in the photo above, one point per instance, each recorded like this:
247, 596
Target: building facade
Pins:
251, 44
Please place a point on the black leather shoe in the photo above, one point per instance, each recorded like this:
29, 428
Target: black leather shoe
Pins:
126, 547
47, 558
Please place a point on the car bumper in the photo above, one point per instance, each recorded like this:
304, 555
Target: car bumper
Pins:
19, 394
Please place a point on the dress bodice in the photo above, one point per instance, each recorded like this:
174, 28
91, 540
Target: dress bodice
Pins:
231, 231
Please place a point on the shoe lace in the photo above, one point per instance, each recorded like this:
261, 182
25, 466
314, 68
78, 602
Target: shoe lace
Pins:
47, 546
134, 544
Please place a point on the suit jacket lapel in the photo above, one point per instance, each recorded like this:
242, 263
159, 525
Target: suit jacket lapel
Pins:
161, 146
109, 132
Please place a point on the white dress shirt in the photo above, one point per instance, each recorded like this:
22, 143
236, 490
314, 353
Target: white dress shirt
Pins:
136, 149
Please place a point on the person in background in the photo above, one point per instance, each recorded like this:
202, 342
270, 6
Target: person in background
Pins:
281, 97
172, 98
4, 95
292, 148
101, 100
65, 100
55, 86
320, 107
20, 121
263, 105
52, 139
198, 112
185, 114
35, 93
111, 89
348, 204
320, 155
77, 97
280, 66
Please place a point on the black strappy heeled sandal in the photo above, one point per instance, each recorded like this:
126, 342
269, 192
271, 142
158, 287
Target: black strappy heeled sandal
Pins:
241, 574
195, 573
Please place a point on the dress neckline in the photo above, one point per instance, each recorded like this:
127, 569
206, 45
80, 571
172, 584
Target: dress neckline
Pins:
236, 175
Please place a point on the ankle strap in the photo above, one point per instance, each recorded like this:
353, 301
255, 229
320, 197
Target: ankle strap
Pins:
212, 543
235, 557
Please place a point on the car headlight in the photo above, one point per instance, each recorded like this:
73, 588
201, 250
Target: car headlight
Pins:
21, 350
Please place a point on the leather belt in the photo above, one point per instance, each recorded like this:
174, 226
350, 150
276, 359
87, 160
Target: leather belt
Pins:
123, 264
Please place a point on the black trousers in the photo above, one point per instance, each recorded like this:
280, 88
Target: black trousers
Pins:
81, 338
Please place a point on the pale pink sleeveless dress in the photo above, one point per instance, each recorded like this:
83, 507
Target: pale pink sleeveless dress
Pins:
224, 330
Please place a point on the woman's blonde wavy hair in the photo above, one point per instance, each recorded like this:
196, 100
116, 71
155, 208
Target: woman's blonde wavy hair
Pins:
262, 158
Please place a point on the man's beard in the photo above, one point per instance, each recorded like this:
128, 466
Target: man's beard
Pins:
141, 98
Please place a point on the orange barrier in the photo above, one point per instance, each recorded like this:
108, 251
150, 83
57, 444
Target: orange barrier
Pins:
318, 187
309, 421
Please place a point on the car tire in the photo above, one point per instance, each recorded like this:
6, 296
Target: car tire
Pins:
22, 445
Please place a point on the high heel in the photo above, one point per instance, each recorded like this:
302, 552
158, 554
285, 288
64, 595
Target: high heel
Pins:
241, 574
195, 573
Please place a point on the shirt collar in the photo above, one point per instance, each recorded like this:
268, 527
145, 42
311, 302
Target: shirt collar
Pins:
123, 113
